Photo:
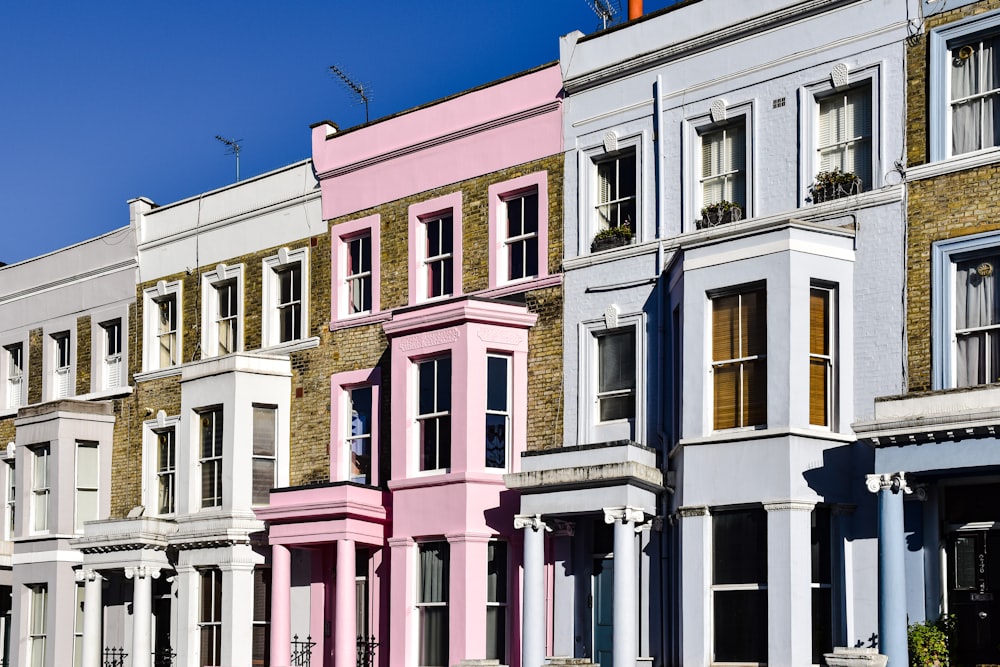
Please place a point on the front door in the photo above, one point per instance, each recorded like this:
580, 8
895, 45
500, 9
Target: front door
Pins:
974, 596
604, 575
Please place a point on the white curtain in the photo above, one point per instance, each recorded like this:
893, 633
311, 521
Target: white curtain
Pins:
975, 123
434, 573
976, 306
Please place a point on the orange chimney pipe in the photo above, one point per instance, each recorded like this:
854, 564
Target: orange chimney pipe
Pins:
634, 9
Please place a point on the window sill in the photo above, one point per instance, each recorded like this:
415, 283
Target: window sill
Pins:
292, 346
360, 320
953, 164
526, 285
158, 373
767, 433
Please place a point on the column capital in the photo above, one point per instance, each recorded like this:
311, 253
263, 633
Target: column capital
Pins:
692, 511
481, 538
625, 514
398, 542
532, 521
88, 574
889, 481
141, 572
790, 506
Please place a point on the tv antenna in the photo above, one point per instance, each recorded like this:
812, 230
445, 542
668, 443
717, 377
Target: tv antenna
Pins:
356, 88
234, 149
606, 10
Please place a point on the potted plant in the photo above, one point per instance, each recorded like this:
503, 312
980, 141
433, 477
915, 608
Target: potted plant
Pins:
719, 213
834, 184
928, 642
612, 237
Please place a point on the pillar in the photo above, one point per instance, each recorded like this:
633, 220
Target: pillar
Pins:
142, 613
467, 596
890, 488
404, 645
564, 591
789, 582
237, 605
533, 595
92, 613
345, 630
281, 621
625, 613
696, 584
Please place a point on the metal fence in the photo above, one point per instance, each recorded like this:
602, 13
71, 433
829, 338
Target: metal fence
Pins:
366, 651
114, 657
302, 651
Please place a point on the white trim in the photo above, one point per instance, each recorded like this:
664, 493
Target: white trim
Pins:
210, 284
784, 245
589, 428
271, 266
151, 296
693, 130
971, 160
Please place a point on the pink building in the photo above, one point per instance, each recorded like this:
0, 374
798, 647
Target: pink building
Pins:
445, 357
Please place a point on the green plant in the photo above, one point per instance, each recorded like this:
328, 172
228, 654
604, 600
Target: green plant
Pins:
721, 208
622, 233
834, 184
928, 642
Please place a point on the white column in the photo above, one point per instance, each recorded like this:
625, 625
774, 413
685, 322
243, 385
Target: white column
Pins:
142, 614
237, 607
789, 582
533, 595
92, 613
625, 613
188, 587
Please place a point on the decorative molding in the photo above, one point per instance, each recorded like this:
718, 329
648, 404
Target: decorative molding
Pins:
789, 506
625, 514
532, 521
889, 481
429, 339
495, 334
87, 574
611, 314
400, 542
692, 511
718, 110
141, 572
610, 142
840, 75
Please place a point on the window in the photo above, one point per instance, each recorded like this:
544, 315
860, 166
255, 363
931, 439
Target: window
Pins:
438, 256
88, 474
616, 191
285, 314
521, 242
496, 601
226, 316
11, 499
359, 442
434, 413
497, 410
261, 616
16, 383
820, 356
166, 332
78, 628
38, 623
359, 274
739, 359
965, 311
822, 593
723, 164
739, 585
63, 373
112, 361
432, 603
355, 267
844, 139
964, 86
265, 432
210, 617
40, 488
616, 375
166, 471
290, 303
211, 458
161, 322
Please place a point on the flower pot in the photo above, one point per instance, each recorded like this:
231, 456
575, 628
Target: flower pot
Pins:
608, 242
716, 217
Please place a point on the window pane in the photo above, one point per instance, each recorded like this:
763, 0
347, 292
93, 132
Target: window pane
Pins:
263, 480
754, 392
496, 441
740, 626
726, 396
444, 384
496, 383
822, 623
821, 544
616, 353
496, 633
515, 217
86, 507
739, 546
264, 426
87, 471
496, 572
434, 572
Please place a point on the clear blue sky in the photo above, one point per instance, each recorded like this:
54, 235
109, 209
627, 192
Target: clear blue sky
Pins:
104, 101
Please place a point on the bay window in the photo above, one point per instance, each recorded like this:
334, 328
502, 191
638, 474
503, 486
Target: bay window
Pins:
434, 412
739, 358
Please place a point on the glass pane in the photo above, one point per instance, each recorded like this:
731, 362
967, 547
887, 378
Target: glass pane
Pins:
626, 176
755, 392
86, 507
444, 384
822, 624
965, 563
740, 626
435, 278
41, 468
434, 636
616, 358
87, 471
515, 217
753, 322
496, 441
496, 633
433, 238
819, 383
531, 257
427, 376
821, 544
429, 444
517, 268
39, 602
617, 407
263, 480
496, 572
434, 572
725, 318
264, 426
166, 494
496, 383
449, 278
739, 546
726, 396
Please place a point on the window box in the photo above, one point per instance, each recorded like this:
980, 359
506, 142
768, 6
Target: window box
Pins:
719, 213
834, 184
612, 237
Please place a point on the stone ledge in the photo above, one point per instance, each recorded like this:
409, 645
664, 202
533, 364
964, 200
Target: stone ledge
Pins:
624, 472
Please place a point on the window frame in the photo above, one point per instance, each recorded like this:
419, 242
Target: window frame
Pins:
500, 194
716, 587
273, 267
435, 414
507, 413
213, 623
40, 455
590, 427
257, 457
9, 376
216, 460
502, 605
830, 358
615, 156
342, 235
419, 215
112, 362
10, 499
341, 384
741, 361
695, 128
945, 255
38, 636
223, 277
809, 106
422, 605
62, 375
152, 298
940, 41
169, 472
82, 488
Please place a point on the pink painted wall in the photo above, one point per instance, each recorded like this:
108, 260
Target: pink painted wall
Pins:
505, 124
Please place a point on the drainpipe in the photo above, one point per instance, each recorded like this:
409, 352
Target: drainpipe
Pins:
634, 9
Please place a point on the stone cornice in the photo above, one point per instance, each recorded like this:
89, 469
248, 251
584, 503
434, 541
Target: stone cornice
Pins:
951, 165
594, 476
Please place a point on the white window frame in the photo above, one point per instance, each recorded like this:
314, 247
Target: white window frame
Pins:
112, 360
40, 489
436, 414
10, 500
342, 236
257, 457
810, 96
831, 358
695, 128
506, 414
420, 215
61, 346
152, 429
342, 384
15, 380
599, 218
271, 317
590, 428
444, 259
940, 42
421, 605
211, 285
367, 436
500, 196
151, 324
83, 488
944, 257
713, 364
216, 459
37, 636
215, 623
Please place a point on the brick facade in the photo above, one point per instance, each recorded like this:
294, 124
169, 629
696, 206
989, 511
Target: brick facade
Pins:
84, 347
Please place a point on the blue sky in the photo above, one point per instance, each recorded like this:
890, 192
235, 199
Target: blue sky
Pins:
104, 101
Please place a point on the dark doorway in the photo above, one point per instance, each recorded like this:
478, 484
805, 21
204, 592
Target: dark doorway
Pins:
974, 596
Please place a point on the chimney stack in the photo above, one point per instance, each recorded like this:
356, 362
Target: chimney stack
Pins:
634, 9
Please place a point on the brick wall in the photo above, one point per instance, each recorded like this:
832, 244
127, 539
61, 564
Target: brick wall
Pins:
35, 348
84, 345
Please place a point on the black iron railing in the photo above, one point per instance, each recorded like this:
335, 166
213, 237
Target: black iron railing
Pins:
366, 651
302, 651
114, 657
164, 658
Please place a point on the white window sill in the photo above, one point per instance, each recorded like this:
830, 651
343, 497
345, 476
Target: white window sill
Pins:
732, 435
292, 346
158, 373
955, 163
360, 320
